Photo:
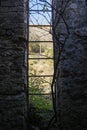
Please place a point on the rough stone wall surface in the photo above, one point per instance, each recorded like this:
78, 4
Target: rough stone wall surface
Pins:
72, 84
13, 35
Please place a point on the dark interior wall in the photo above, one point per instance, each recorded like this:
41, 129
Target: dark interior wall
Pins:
13, 65
72, 82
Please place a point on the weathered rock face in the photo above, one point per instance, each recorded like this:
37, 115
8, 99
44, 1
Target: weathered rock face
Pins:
72, 81
13, 68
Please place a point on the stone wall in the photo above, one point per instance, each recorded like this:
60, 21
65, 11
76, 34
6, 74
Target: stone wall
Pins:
72, 81
13, 68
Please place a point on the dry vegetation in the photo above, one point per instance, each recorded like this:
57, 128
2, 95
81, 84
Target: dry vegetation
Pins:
41, 50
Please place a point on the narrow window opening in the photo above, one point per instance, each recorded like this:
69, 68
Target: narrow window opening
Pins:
41, 63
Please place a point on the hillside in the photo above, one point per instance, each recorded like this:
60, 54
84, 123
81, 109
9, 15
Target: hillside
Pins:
40, 32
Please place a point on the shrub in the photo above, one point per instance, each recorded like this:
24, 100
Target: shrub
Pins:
35, 48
